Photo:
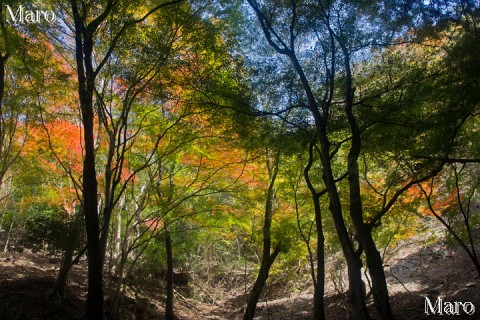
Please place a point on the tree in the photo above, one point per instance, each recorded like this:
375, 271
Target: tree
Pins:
87, 22
454, 208
282, 36
23, 52
319, 277
431, 91
268, 257
322, 44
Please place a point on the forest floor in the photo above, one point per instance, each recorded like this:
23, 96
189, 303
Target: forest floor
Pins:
413, 272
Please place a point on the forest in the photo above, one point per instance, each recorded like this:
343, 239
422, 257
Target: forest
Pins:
256, 159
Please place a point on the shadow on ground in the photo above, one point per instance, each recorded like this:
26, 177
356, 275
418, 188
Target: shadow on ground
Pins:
26, 281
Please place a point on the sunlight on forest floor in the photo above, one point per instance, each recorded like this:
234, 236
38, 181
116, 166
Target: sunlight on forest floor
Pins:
413, 273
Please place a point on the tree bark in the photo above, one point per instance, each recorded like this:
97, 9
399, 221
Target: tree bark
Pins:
260, 284
319, 278
86, 79
364, 234
354, 263
60, 286
267, 257
117, 239
319, 286
169, 314
7, 241
3, 62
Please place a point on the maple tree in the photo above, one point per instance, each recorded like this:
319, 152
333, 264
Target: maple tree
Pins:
148, 123
331, 58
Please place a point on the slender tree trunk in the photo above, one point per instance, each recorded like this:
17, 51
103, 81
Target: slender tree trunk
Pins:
319, 278
86, 83
85, 29
117, 294
470, 251
60, 286
109, 192
319, 286
123, 252
466, 214
94, 254
354, 263
267, 257
320, 115
3, 60
364, 235
7, 241
260, 284
169, 314
117, 239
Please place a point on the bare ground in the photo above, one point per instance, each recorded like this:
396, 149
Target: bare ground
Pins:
413, 272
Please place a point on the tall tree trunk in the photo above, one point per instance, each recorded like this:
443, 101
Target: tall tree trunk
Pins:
94, 254
3, 134
320, 115
319, 287
354, 263
169, 314
319, 278
109, 192
374, 260
3, 60
267, 257
117, 239
86, 82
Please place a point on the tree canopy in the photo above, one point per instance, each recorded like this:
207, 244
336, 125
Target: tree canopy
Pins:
272, 139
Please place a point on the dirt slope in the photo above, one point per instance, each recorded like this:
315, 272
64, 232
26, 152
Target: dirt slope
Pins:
413, 273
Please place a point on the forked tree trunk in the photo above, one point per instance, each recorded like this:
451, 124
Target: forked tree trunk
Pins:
352, 257
320, 114
354, 263
364, 234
